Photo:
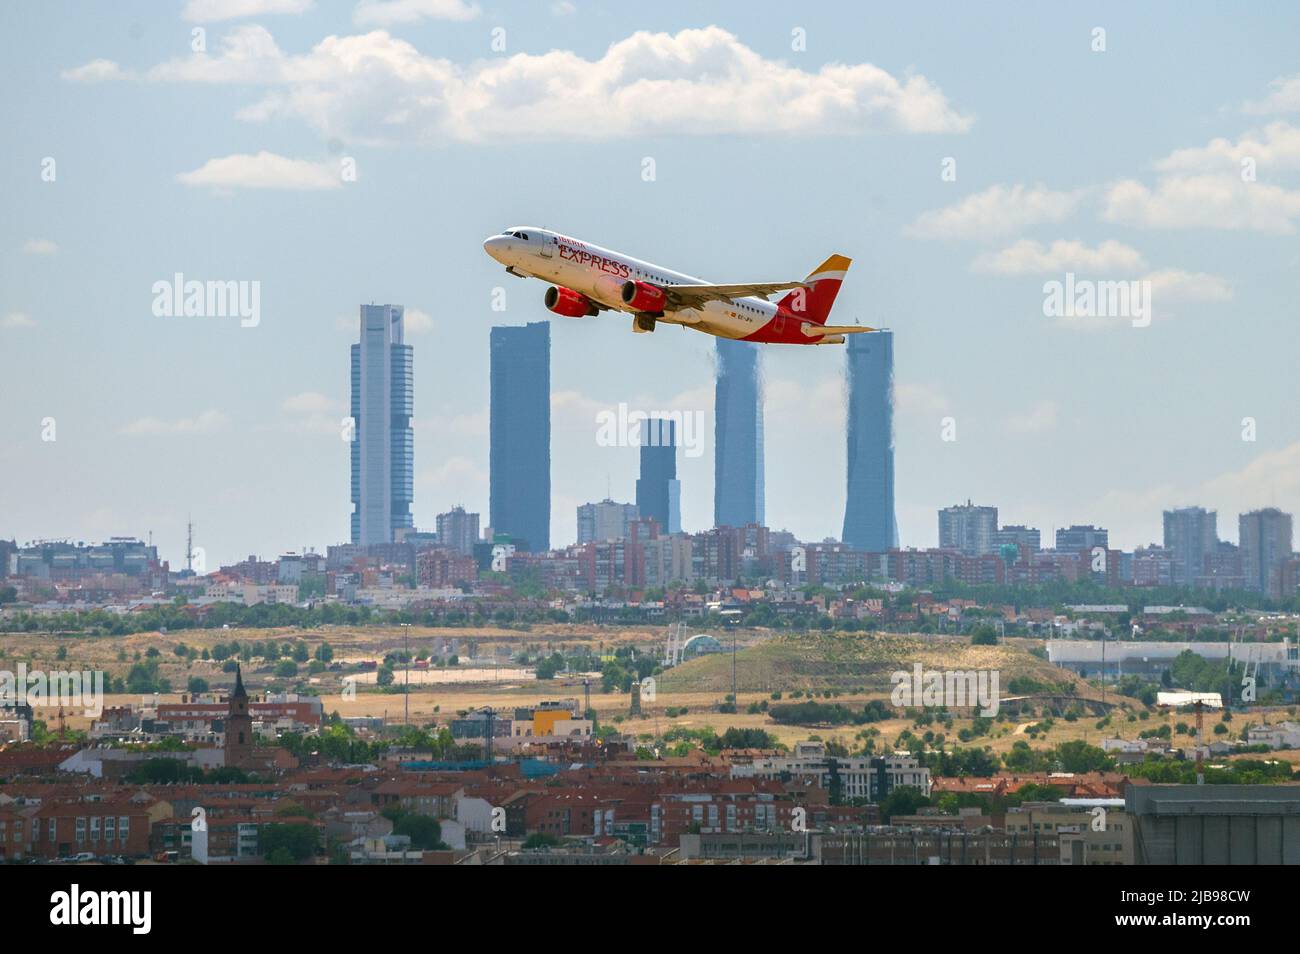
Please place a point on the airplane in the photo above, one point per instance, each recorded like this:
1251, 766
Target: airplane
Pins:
590, 279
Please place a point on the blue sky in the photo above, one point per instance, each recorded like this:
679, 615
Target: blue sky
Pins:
1122, 164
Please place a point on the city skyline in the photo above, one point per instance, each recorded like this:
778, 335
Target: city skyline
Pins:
174, 414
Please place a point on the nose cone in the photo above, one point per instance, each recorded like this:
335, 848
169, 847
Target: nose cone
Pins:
496, 246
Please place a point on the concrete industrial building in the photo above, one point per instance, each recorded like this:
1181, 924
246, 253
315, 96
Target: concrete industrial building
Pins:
1215, 824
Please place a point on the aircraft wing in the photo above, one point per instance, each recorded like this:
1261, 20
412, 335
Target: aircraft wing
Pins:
693, 296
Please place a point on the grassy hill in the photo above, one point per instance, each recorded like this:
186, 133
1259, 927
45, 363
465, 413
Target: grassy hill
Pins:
855, 662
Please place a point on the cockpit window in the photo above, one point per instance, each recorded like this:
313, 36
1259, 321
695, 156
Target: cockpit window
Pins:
524, 236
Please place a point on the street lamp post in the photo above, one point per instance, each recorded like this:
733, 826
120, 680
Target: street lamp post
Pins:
406, 689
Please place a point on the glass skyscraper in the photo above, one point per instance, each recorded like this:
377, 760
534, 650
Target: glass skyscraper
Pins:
383, 445
520, 458
658, 491
738, 431
869, 522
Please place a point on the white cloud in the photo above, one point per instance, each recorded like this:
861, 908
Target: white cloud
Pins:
919, 399
17, 319
1035, 420
563, 8
1203, 201
417, 322
313, 413
248, 55
1283, 97
455, 480
388, 12
466, 424
96, 71
265, 170
40, 247
211, 11
786, 401
206, 423
1277, 146
1028, 257
310, 402
1172, 284
997, 211
375, 88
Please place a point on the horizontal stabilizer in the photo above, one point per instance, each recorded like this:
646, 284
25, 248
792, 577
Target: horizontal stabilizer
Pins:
816, 331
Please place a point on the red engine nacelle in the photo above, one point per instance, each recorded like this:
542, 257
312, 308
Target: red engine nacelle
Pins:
569, 303
642, 297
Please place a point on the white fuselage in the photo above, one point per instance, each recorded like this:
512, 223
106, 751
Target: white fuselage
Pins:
600, 273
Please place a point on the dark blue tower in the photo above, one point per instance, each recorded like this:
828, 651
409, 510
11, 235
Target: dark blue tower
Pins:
520, 457
738, 430
658, 491
869, 522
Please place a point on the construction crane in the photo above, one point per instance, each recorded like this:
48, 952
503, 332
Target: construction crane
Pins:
1199, 701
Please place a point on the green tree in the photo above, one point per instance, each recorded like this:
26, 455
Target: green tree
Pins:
425, 832
903, 800
1078, 756
298, 840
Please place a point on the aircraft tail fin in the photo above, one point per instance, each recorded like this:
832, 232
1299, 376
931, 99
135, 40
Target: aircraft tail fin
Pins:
814, 302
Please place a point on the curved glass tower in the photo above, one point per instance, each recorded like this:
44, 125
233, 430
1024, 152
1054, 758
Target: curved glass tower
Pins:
383, 444
869, 522
738, 432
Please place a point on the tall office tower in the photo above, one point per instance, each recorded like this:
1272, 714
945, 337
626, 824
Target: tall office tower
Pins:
604, 521
1265, 546
458, 530
968, 528
658, 491
520, 457
383, 399
1191, 533
869, 522
1078, 538
738, 432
